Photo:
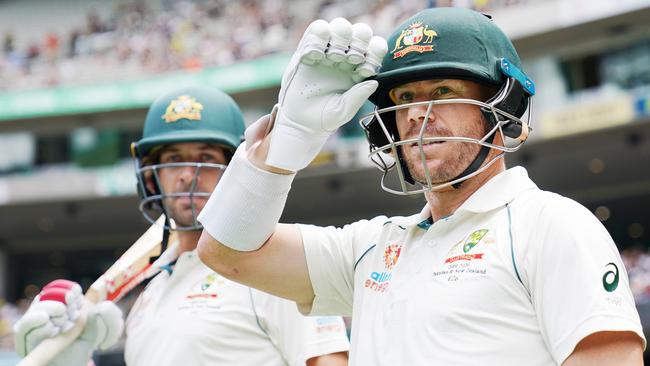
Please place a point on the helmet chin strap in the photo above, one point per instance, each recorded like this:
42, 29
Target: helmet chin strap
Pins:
476, 164
473, 166
165, 239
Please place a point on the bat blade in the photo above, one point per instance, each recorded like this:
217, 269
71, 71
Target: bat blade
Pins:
133, 267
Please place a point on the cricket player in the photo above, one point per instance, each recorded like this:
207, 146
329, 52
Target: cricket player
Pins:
188, 314
492, 271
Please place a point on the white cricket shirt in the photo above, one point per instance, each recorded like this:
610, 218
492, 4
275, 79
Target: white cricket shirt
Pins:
516, 276
195, 317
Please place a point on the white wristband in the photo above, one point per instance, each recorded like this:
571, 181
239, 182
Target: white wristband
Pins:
246, 205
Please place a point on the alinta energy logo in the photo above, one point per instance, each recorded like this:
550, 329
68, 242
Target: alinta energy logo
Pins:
379, 281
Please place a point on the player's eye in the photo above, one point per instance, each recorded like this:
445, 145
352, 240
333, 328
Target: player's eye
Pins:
171, 158
208, 158
443, 91
402, 97
406, 97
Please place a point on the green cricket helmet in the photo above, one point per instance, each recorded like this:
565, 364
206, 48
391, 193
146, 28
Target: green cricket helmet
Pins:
191, 114
448, 43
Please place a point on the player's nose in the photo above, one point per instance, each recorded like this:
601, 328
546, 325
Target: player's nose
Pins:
187, 174
421, 113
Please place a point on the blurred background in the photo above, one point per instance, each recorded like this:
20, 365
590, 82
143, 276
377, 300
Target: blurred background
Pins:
76, 78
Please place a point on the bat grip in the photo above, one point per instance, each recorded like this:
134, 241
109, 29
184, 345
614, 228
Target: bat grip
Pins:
49, 348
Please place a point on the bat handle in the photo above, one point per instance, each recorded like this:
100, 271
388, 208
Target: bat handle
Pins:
49, 348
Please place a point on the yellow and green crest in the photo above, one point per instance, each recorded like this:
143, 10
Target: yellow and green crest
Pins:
473, 239
415, 38
209, 281
183, 107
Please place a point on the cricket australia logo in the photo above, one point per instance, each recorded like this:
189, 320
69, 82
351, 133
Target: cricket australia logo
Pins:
391, 255
183, 107
379, 281
415, 38
473, 239
461, 250
467, 258
206, 288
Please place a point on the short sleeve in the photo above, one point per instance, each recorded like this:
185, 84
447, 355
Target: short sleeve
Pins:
300, 337
579, 285
331, 254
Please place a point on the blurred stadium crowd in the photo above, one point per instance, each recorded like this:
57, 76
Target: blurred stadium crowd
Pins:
135, 41
637, 263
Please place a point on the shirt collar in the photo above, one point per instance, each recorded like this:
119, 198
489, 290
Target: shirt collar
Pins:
168, 258
497, 192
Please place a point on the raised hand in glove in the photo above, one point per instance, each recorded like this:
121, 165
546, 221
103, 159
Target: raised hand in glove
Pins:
55, 310
323, 88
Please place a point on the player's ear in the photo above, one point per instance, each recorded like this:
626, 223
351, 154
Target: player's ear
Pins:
153, 158
487, 92
148, 181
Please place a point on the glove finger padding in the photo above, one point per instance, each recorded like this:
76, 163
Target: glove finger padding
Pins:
311, 49
340, 38
37, 325
377, 48
66, 292
55, 310
313, 44
319, 91
104, 326
57, 313
361, 35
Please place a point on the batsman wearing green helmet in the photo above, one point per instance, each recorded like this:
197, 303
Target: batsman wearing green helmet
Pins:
492, 271
179, 118
188, 314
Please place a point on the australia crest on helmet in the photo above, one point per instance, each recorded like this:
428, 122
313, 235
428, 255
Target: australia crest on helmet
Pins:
417, 37
184, 106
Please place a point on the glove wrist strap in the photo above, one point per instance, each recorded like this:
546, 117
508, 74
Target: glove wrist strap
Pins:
293, 148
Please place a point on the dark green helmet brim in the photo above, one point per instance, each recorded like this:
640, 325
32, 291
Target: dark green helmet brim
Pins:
442, 70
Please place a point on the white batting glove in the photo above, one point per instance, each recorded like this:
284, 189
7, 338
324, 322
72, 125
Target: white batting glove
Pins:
322, 88
55, 310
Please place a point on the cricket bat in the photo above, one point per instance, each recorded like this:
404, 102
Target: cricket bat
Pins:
133, 267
